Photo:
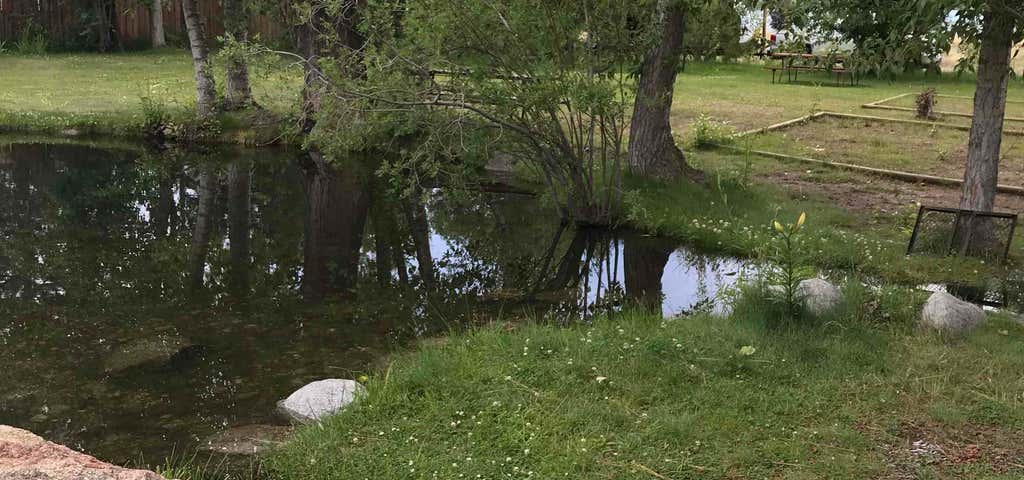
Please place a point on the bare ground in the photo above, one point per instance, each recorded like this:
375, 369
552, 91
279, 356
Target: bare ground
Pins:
871, 193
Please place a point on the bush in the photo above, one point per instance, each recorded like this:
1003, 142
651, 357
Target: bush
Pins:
925, 102
708, 132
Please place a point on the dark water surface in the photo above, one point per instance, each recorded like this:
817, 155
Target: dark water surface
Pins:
149, 300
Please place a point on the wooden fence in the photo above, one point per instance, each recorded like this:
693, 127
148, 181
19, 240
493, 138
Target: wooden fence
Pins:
61, 21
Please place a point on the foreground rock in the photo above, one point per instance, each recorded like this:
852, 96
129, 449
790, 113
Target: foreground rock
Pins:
946, 313
320, 399
819, 296
151, 350
247, 440
25, 456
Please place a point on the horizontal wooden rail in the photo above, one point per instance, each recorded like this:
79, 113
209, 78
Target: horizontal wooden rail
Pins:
899, 175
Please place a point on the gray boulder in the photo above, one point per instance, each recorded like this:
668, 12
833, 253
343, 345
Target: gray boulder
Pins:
946, 313
320, 399
148, 350
819, 296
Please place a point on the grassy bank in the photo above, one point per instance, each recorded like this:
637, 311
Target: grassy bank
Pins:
636, 397
734, 214
117, 94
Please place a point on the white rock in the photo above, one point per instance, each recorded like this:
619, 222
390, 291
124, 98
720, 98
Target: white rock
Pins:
819, 296
320, 399
947, 313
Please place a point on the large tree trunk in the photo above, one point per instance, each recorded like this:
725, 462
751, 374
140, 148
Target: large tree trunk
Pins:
982, 172
157, 20
239, 223
337, 206
206, 90
345, 46
106, 21
652, 149
238, 93
981, 175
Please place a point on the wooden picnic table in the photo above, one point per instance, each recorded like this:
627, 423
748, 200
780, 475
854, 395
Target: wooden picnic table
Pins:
792, 64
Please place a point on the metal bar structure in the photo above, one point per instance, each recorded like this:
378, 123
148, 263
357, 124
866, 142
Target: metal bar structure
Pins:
964, 224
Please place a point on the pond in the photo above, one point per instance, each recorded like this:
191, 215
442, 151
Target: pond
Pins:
149, 300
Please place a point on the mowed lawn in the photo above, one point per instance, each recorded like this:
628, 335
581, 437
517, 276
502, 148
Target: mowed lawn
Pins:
634, 397
743, 95
740, 94
113, 86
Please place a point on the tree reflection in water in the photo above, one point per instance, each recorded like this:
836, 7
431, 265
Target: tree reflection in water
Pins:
279, 271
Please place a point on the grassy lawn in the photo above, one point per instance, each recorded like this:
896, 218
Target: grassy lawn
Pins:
744, 96
636, 397
104, 93
896, 146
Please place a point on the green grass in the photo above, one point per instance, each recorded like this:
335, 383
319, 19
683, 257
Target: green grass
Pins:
637, 397
94, 93
734, 215
743, 95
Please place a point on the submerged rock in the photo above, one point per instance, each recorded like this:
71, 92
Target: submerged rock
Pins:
320, 399
949, 314
819, 296
26, 456
247, 440
150, 350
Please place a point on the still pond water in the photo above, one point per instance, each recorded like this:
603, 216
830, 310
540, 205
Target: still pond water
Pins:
148, 300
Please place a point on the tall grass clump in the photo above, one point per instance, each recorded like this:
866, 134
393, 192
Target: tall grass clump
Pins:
32, 40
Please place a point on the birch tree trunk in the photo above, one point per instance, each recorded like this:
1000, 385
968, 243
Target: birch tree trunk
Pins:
206, 89
981, 176
157, 20
652, 149
419, 227
237, 92
239, 224
204, 226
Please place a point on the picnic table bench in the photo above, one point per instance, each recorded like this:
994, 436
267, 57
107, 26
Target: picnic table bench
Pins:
791, 64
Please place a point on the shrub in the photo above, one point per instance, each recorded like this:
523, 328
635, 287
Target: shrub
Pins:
708, 132
926, 102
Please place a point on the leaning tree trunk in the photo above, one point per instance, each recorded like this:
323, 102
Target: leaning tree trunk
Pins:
157, 20
981, 175
206, 90
652, 149
238, 93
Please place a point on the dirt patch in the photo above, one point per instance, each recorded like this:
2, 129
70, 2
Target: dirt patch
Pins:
896, 146
951, 450
870, 193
